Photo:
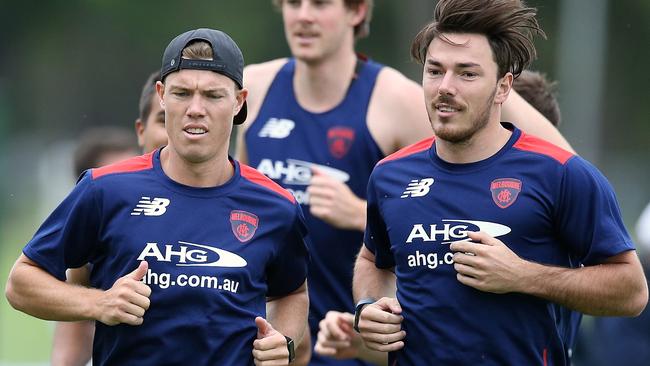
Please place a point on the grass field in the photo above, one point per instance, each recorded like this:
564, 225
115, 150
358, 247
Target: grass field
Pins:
24, 340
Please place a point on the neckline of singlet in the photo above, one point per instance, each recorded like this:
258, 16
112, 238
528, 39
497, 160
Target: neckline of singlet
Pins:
358, 67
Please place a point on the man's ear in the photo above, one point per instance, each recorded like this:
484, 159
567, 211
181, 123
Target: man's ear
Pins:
139, 131
504, 85
160, 91
358, 14
241, 96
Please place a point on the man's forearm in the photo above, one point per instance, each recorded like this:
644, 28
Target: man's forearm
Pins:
361, 217
34, 291
615, 288
370, 281
288, 314
72, 343
375, 357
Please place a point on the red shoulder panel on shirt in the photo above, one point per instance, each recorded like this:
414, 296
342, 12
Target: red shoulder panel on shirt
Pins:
408, 150
534, 144
259, 178
134, 164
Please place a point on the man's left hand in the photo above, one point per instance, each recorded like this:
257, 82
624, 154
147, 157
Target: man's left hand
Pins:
487, 264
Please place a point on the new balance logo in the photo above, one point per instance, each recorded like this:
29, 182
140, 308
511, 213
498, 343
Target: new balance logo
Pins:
417, 188
277, 128
149, 207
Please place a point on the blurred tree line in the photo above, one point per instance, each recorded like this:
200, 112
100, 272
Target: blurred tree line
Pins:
66, 65
69, 63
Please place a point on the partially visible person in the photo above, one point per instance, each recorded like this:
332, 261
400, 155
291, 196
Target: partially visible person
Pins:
617, 340
318, 123
643, 228
99, 146
196, 259
492, 236
150, 124
72, 341
537, 90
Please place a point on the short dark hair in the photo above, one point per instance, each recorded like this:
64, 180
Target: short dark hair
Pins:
96, 142
508, 25
148, 91
537, 90
362, 29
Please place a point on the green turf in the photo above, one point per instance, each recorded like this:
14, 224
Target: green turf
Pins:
23, 339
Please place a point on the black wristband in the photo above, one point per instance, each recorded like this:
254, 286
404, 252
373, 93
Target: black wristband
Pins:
357, 311
290, 348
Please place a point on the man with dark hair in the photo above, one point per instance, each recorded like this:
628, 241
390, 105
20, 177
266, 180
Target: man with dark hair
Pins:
191, 251
537, 90
491, 236
318, 123
334, 336
99, 146
150, 124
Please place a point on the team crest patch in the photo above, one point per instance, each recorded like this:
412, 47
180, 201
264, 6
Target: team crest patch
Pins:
505, 191
243, 225
339, 140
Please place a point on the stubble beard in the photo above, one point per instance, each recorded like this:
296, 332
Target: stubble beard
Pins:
448, 133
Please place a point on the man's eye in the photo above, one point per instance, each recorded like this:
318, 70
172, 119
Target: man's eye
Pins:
320, 2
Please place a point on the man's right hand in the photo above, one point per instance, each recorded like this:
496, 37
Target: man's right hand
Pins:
127, 301
380, 325
334, 202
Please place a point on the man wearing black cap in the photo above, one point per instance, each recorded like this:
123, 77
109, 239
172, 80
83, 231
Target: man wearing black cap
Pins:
189, 248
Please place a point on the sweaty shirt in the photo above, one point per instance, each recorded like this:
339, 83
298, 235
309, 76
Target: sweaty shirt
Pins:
214, 254
546, 204
286, 143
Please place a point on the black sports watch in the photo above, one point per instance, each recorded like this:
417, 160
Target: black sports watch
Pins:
291, 349
357, 311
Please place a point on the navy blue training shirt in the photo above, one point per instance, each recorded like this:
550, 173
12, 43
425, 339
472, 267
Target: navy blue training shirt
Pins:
214, 255
546, 204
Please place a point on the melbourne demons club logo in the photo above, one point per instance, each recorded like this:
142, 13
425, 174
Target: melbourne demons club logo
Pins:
339, 140
243, 225
505, 191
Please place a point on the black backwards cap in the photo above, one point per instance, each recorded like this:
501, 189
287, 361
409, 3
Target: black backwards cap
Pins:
227, 59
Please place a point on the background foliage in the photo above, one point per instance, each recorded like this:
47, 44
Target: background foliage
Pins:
66, 65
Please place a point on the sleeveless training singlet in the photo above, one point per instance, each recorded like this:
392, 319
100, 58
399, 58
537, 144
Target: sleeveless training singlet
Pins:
287, 143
